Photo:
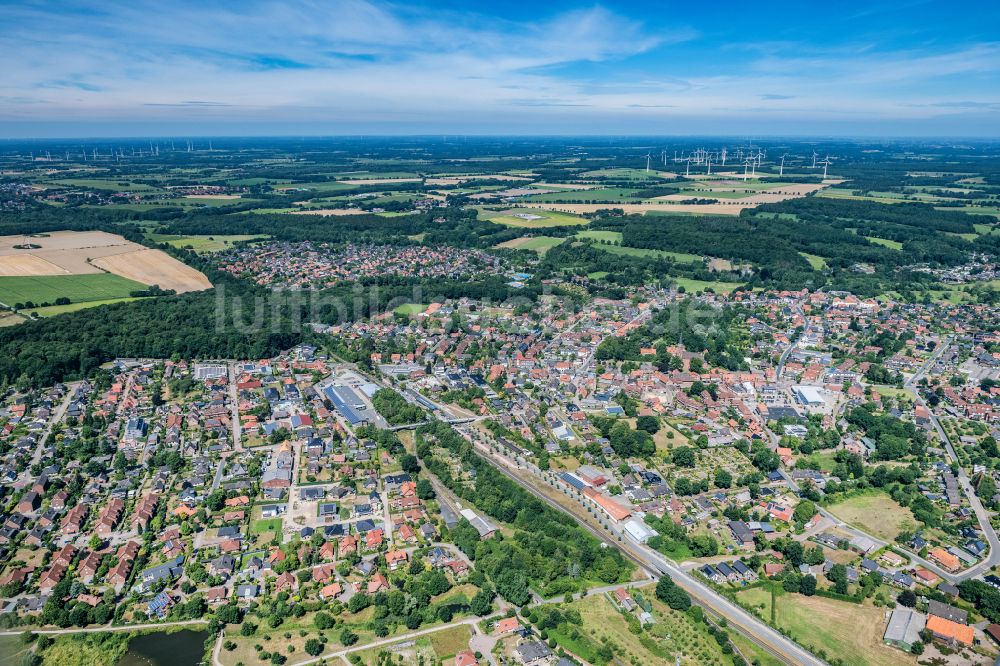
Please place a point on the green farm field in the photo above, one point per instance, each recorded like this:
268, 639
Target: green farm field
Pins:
202, 244
632, 174
601, 235
111, 185
77, 288
549, 218
540, 244
596, 195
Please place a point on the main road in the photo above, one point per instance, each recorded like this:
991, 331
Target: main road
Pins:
769, 639
24, 478
963, 479
792, 343
977, 506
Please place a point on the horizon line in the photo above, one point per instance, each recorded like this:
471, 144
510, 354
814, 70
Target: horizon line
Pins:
468, 135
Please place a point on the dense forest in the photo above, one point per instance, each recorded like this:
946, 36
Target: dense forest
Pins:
773, 239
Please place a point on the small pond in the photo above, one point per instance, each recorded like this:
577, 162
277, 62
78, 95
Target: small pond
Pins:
181, 648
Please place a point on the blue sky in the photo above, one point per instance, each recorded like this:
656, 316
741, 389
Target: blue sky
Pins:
144, 67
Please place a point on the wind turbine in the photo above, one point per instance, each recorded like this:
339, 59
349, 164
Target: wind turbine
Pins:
814, 159
647, 162
709, 164
746, 167
781, 171
825, 163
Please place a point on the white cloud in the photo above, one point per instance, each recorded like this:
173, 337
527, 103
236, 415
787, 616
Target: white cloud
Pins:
344, 61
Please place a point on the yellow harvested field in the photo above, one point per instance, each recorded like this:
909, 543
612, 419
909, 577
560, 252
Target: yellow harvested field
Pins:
566, 186
330, 211
455, 180
155, 267
10, 319
59, 252
94, 253
28, 264
61, 240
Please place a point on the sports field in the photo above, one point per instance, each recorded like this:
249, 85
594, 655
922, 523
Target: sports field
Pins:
410, 309
77, 288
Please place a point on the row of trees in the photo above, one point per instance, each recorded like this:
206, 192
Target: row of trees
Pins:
548, 550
